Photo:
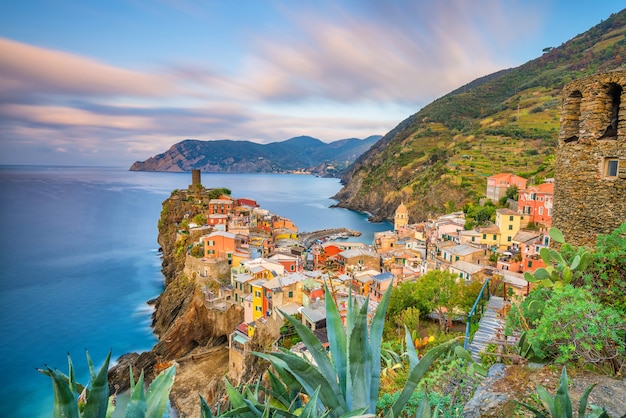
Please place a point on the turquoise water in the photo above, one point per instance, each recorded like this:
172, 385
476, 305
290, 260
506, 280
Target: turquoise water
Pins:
79, 259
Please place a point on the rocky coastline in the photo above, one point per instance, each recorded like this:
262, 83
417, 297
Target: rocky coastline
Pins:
191, 334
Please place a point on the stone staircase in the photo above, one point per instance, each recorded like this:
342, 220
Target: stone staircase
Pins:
489, 325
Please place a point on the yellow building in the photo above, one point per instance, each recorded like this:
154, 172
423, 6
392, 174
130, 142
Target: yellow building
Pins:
257, 299
509, 222
489, 235
401, 218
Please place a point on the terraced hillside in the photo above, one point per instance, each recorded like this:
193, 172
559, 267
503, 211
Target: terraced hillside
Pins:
439, 158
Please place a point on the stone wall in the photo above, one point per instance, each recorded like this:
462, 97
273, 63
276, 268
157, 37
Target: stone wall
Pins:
206, 268
590, 195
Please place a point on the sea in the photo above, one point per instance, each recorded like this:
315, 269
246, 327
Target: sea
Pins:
79, 260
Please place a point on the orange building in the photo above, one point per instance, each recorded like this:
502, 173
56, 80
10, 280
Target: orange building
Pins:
221, 206
219, 245
536, 202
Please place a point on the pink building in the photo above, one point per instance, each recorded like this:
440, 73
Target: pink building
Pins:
498, 183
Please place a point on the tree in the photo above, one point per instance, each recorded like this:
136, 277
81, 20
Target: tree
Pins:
440, 291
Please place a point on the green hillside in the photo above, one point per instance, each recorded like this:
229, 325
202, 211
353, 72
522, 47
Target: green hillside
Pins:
508, 121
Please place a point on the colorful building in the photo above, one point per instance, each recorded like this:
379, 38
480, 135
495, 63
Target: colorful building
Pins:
535, 202
498, 183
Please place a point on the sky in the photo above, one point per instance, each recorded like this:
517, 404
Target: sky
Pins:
112, 82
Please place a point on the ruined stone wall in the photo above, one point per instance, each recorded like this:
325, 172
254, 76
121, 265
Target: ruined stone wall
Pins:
590, 171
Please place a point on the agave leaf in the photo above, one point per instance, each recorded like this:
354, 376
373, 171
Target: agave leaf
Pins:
279, 392
355, 413
158, 392
337, 340
65, 405
423, 411
98, 398
136, 407
360, 363
310, 409
417, 373
320, 356
547, 400
538, 414
205, 409
376, 337
238, 401
562, 402
583, 400
410, 349
556, 235
309, 377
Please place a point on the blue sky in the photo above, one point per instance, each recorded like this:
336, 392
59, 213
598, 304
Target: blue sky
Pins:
111, 82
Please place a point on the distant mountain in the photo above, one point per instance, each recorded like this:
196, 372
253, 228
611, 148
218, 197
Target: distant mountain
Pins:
302, 153
438, 159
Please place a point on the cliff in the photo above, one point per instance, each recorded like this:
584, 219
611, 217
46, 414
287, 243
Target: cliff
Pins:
190, 334
438, 159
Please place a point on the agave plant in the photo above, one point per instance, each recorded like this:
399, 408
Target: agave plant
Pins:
72, 400
347, 383
560, 405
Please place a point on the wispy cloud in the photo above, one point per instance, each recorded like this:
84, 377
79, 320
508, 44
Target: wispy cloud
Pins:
342, 67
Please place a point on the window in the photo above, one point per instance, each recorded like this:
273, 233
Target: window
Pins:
292, 267
533, 196
258, 308
473, 239
530, 264
611, 167
290, 294
540, 210
257, 294
549, 211
511, 218
509, 238
484, 236
510, 227
495, 237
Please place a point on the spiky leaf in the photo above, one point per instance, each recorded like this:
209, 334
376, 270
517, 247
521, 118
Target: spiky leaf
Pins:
582, 406
562, 402
205, 409
337, 340
158, 393
417, 373
360, 363
98, 398
318, 352
376, 337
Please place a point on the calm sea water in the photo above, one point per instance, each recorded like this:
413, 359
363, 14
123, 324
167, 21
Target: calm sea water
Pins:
79, 260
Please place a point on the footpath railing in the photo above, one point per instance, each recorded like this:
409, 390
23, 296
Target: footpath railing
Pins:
472, 313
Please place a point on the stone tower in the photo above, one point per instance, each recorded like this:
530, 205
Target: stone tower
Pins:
590, 170
195, 178
401, 218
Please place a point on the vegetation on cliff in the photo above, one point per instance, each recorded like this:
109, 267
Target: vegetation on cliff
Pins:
295, 154
504, 122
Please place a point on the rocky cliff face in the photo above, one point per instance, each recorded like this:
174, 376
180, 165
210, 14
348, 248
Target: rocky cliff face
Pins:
190, 334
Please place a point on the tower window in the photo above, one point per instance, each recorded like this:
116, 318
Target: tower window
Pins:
611, 167
572, 123
614, 93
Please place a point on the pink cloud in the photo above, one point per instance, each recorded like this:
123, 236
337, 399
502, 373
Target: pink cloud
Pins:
30, 69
